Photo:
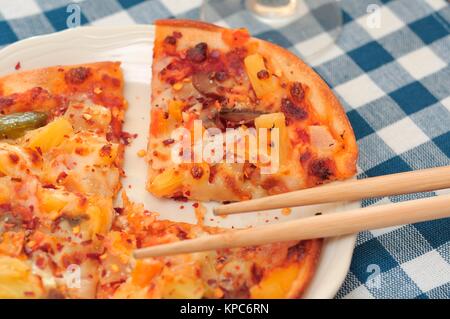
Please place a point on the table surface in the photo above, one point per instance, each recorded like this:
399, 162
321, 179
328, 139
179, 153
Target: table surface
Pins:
394, 83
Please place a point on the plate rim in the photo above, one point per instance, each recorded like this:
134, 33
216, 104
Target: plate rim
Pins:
94, 31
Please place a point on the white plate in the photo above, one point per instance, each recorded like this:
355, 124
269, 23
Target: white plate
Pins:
132, 45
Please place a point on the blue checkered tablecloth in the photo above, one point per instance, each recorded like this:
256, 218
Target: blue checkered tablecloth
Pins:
394, 82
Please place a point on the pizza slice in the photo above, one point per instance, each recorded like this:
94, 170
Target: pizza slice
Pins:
206, 77
281, 270
60, 168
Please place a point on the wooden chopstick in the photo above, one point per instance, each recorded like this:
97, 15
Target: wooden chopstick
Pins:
329, 225
395, 184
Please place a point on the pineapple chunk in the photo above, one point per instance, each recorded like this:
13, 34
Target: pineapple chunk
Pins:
145, 271
53, 201
100, 217
17, 281
275, 120
183, 285
271, 120
276, 284
166, 183
254, 64
50, 135
175, 109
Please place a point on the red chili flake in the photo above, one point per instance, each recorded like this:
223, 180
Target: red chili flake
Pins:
126, 137
180, 198
182, 207
177, 34
80, 151
99, 236
16, 179
106, 150
14, 158
195, 205
40, 262
168, 141
18, 66
29, 293
118, 210
50, 186
95, 256
77, 75
263, 74
61, 177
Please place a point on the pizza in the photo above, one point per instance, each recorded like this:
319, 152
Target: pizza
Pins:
219, 79
281, 270
61, 150
63, 233
61, 153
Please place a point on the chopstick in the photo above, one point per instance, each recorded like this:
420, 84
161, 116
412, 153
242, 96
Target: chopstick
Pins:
329, 225
395, 184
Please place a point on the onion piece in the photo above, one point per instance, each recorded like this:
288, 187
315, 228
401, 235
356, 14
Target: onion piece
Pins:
321, 138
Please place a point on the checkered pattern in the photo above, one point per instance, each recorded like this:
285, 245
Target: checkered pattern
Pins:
394, 83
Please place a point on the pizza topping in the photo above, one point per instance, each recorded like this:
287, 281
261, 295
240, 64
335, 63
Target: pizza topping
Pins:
197, 171
292, 110
198, 53
263, 74
204, 83
5, 102
77, 75
170, 40
167, 183
16, 124
176, 71
168, 141
262, 82
221, 76
322, 169
321, 138
236, 117
297, 92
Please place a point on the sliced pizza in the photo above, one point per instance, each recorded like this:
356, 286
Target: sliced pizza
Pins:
281, 270
60, 167
209, 79
61, 148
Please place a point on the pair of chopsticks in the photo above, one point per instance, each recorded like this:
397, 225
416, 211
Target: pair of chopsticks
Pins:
328, 225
